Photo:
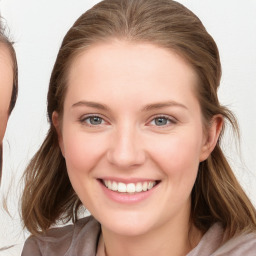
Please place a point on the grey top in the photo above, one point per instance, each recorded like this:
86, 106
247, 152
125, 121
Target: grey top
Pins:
81, 239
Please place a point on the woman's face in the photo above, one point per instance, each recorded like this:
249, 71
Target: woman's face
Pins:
132, 135
6, 83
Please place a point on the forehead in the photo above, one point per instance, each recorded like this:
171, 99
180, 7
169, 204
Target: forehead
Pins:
121, 67
6, 62
118, 54
5, 54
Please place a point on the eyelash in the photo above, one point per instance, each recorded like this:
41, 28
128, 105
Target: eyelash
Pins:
167, 118
83, 120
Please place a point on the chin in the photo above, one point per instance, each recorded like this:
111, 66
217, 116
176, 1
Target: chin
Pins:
128, 224
128, 229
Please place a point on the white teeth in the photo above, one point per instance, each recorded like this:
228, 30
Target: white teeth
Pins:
138, 187
114, 186
129, 188
145, 186
121, 187
150, 185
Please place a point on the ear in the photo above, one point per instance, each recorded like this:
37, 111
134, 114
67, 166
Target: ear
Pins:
57, 124
211, 137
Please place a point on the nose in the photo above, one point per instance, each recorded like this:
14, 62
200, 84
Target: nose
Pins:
126, 148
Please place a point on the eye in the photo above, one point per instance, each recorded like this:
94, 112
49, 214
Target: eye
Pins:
92, 120
162, 121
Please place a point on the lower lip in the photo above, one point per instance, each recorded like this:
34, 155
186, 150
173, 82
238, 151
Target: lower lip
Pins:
127, 198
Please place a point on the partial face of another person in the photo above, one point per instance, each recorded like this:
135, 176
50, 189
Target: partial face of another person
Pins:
6, 84
132, 135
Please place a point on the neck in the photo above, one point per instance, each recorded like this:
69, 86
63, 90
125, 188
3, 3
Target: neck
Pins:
173, 239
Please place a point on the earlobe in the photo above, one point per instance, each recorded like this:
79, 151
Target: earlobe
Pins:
57, 125
212, 137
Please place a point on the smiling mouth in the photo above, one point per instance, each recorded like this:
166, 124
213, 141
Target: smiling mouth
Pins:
130, 188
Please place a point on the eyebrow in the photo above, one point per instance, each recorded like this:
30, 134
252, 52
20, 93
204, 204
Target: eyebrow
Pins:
90, 104
159, 105
146, 108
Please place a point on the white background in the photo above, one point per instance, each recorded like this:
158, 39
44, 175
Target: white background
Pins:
37, 27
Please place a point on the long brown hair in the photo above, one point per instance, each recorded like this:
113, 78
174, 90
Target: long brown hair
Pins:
217, 196
4, 41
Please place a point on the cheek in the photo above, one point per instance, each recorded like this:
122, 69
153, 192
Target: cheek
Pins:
82, 151
178, 155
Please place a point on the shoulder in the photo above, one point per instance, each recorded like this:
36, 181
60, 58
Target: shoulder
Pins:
212, 244
67, 240
244, 244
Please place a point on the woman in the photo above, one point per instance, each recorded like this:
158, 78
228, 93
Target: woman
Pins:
135, 130
8, 84
8, 88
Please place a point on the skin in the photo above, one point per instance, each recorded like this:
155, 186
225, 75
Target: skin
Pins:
6, 82
134, 84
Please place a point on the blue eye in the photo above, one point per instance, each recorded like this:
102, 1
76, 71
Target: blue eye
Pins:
93, 120
161, 121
